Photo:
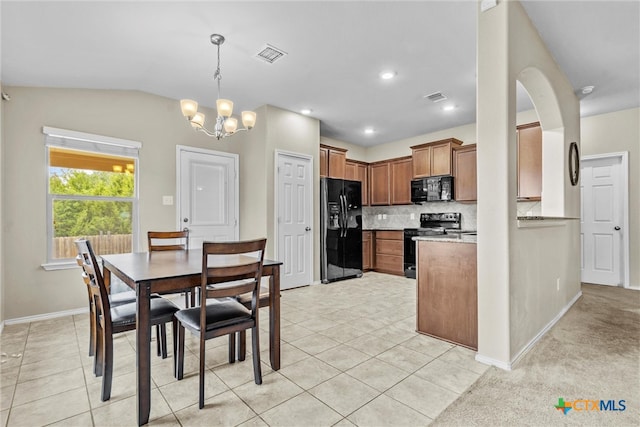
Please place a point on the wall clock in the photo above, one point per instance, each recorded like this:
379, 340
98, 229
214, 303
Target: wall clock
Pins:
574, 163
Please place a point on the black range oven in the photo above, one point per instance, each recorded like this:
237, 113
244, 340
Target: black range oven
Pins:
431, 224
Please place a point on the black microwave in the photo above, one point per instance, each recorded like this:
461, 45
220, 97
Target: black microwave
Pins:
432, 189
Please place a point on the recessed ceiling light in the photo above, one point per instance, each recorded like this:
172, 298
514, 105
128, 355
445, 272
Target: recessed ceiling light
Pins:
306, 111
369, 131
449, 107
387, 75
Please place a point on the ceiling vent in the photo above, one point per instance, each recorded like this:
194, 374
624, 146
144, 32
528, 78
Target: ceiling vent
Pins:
436, 97
270, 54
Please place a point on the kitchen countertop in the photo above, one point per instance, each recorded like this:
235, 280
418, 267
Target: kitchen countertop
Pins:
543, 218
454, 238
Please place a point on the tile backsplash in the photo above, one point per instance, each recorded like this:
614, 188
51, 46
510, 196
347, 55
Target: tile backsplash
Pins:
399, 217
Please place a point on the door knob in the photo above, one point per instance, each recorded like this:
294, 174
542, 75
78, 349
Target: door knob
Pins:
616, 228
185, 220
307, 229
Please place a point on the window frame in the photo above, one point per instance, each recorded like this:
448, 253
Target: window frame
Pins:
89, 143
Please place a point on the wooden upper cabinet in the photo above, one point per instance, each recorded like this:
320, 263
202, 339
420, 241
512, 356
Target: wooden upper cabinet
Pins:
465, 173
332, 161
433, 158
324, 161
359, 171
379, 191
401, 174
529, 138
421, 161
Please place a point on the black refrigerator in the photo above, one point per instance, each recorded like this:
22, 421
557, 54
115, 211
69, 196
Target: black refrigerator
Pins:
340, 229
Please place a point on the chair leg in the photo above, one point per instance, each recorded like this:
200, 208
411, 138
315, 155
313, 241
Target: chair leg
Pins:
242, 345
163, 340
201, 395
97, 360
92, 331
180, 355
192, 296
107, 367
174, 330
158, 344
232, 348
255, 348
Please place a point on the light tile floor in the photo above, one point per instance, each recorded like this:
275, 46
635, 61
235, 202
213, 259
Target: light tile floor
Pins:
350, 356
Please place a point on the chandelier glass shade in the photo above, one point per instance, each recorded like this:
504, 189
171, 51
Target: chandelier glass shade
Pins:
225, 125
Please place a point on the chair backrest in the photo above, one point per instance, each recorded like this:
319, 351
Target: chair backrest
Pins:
92, 277
154, 236
232, 268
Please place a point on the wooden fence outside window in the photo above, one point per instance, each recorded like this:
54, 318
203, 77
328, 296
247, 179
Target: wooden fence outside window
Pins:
63, 247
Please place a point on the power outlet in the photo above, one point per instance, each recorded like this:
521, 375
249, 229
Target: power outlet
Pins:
379, 216
384, 216
412, 216
167, 200
558, 284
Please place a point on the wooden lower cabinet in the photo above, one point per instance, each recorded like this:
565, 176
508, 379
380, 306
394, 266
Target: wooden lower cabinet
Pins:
389, 246
367, 250
447, 302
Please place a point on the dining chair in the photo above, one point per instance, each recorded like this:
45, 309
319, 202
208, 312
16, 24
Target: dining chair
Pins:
110, 320
245, 299
115, 300
229, 269
178, 240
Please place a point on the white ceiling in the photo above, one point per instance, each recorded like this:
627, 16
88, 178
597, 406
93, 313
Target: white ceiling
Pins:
336, 50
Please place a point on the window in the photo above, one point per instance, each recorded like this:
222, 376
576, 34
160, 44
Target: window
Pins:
92, 193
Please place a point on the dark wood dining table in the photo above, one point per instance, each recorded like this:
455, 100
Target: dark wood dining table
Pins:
175, 271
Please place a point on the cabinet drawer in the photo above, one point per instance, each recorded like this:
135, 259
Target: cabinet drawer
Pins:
389, 263
390, 247
390, 235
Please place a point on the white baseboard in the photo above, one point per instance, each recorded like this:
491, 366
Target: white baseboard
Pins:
524, 350
46, 316
489, 361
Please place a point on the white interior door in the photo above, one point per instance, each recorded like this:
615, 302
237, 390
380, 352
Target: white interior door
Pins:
208, 195
294, 217
601, 220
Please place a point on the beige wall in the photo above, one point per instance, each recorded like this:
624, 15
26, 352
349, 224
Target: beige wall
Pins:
158, 124
2, 169
518, 267
617, 132
293, 133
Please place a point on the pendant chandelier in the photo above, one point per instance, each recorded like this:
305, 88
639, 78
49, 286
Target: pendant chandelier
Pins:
225, 124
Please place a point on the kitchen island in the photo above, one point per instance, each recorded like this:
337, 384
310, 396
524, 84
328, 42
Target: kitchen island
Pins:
447, 288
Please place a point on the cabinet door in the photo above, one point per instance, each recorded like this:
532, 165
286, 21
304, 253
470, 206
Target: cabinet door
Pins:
324, 161
366, 250
441, 159
362, 175
337, 163
530, 162
351, 171
465, 172
379, 182
401, 173
422, 162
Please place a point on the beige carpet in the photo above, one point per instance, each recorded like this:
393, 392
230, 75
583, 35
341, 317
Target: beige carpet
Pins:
592, 353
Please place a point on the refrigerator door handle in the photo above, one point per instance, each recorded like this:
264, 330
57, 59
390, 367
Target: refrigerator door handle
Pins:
346, 215
343, 212
341, 216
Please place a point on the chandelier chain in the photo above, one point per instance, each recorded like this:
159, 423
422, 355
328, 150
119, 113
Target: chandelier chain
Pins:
218, 74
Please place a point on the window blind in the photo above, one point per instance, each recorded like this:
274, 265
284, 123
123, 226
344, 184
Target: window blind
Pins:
89, 142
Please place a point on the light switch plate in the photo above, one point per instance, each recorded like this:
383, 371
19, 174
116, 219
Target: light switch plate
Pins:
167, 200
